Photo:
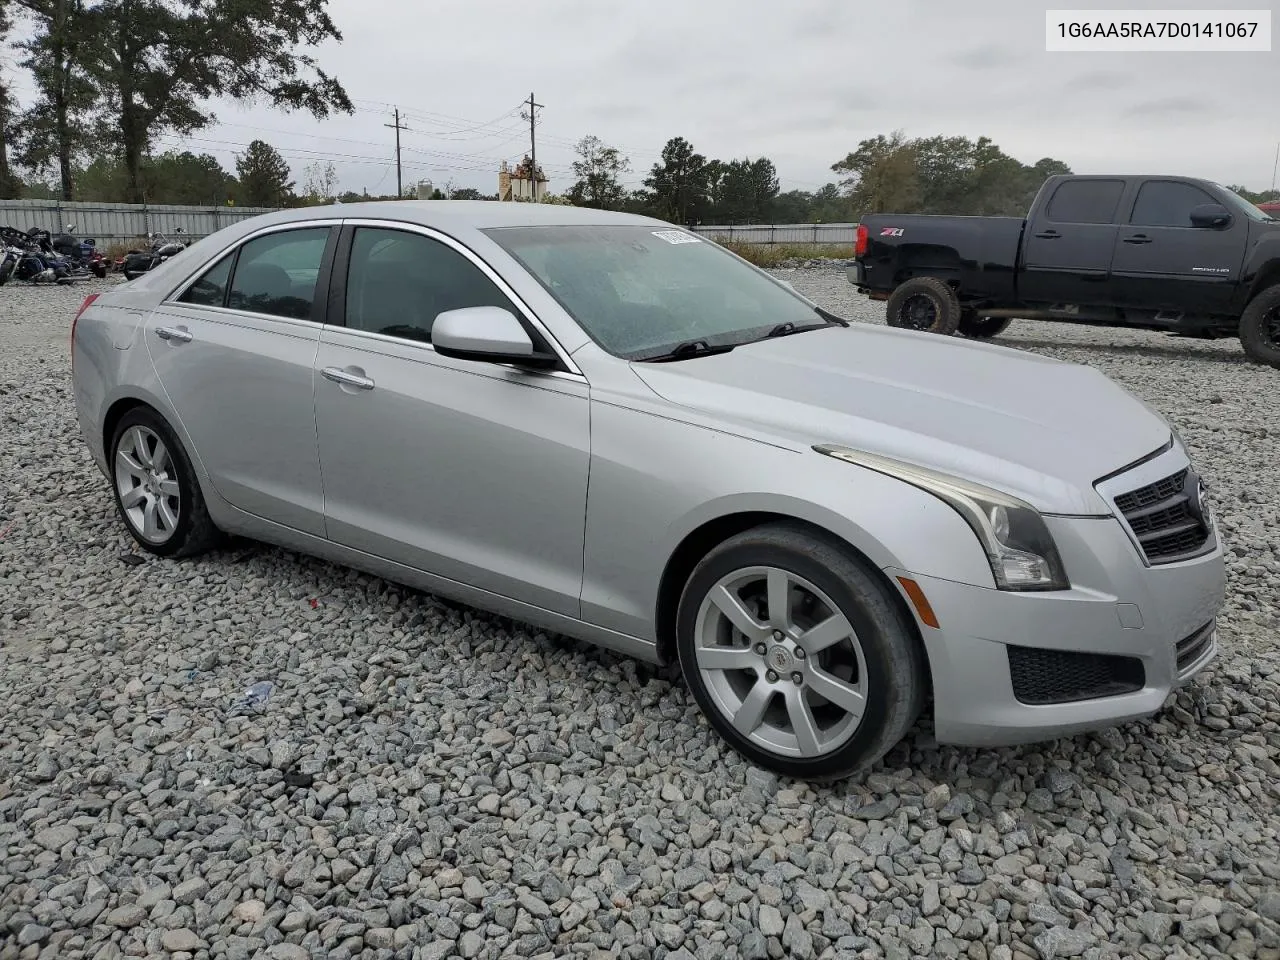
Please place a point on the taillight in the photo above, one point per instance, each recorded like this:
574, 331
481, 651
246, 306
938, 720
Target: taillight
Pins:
860, 245
88, 302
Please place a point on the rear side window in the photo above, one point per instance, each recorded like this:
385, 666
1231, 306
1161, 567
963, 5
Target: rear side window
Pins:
1167, 203
277, 274
1085, 201
211, 289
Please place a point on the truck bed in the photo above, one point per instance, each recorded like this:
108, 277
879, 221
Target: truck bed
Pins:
990, 252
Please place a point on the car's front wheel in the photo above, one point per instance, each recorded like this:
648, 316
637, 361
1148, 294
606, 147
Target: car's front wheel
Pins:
1260, 327
799, 655
155, 488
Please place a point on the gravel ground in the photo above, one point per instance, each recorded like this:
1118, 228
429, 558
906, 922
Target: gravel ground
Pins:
429, 781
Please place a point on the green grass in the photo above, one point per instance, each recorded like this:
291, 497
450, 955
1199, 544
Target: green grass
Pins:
771, 255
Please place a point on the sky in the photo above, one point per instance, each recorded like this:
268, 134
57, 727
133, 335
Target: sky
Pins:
801, 83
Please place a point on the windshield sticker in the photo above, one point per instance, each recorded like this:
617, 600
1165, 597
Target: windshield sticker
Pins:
676, 236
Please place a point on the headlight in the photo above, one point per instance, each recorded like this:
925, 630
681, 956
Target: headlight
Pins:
1018, 545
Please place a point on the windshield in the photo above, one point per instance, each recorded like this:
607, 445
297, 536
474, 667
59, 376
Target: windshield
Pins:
1240, 205
639, 291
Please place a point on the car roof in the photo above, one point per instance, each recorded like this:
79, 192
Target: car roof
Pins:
461, 214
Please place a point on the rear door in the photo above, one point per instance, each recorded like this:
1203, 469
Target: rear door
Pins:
235, 351
1067, 247
1163, 262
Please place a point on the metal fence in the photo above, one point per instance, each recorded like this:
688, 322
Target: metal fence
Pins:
124, 222
792, 234
120, 222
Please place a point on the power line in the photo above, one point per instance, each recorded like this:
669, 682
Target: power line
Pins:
399, 177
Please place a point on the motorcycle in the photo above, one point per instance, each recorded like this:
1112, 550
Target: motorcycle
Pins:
80, 252
40, 242
24, 261
139, 262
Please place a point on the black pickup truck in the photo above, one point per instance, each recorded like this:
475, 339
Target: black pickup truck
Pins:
1178, 254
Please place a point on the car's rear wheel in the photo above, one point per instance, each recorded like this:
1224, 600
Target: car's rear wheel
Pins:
982, 328
155, 488
798, 655
924, 303
1260, 327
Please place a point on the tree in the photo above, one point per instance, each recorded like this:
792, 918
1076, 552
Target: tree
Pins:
264, 176
55, 130
188, 178
597, 170
747, 190
320, 183
10, 185
881, 176
679, 183
163, 60
467, 193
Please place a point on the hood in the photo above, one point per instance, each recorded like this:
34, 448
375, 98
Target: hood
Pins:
1040, 429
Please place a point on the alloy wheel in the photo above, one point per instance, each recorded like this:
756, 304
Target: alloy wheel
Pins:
918, 312
781, 662
146, 481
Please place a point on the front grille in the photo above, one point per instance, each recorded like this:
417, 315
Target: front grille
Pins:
1061, 676
1166, 518
1195, 646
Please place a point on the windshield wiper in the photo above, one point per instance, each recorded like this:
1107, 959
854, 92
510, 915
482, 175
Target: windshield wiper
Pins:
788, 328
688, 350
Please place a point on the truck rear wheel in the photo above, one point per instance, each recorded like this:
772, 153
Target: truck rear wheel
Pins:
982, 328
926, 304
1260, 327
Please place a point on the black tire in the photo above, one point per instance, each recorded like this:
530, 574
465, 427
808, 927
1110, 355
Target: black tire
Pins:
131, 275
895, 663
926, 304
1260, 327
982, 328
194, 531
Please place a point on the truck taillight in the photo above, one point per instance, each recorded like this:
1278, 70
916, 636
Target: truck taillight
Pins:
860, 244
88, 302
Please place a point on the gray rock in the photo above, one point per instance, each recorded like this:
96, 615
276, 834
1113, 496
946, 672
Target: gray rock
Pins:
770, 922
181, 940
1064, 942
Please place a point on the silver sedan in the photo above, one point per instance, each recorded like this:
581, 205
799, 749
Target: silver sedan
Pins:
617, 430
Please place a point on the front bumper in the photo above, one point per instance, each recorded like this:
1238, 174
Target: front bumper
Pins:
1137, 618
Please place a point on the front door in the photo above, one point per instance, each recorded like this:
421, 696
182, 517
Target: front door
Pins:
234, 353
1066, 249
471, 471
1163, 262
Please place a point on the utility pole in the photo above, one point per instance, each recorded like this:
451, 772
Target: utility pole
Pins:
1275, 167
532, 117
399, 179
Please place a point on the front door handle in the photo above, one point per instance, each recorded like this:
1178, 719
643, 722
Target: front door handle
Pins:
1048, 235
1138, 238
347, 378
179, 334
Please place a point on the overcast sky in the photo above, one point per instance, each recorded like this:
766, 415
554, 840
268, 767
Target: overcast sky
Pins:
800, 83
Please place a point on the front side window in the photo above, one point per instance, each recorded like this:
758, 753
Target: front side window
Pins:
1167, 203
639, 291
211, 289
1085, 201
277, 274
399, 282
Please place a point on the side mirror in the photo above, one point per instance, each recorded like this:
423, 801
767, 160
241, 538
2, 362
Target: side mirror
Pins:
488, 335
1210, 215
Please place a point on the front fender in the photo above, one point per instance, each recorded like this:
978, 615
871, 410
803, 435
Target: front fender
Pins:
655, 481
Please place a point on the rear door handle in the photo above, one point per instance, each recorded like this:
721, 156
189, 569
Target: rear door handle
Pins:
346, 378
180, 334
1048, 235
1138, 238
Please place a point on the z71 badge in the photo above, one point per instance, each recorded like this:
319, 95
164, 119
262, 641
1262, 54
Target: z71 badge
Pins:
892, 231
